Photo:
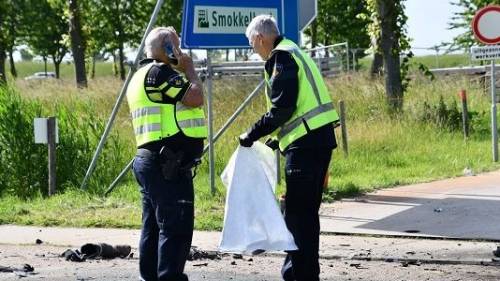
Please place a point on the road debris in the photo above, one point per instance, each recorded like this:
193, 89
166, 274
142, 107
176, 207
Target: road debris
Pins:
357, 266
468, 172
26, 269
496, 253
237, 256
410, 262
97, 251
196, 254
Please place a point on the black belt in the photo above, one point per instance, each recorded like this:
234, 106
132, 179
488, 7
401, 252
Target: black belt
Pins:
185, 169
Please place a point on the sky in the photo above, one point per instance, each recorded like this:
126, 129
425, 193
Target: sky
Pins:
428, 22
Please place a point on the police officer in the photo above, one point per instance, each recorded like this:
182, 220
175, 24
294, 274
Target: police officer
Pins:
301, 112
165, 98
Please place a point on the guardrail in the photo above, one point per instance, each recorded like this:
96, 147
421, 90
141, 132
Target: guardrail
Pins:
329, 66
331, 60
467, 70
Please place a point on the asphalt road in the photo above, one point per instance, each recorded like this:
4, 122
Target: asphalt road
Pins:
49, 266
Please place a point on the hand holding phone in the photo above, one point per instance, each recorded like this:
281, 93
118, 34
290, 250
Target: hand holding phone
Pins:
182, 62
169, 50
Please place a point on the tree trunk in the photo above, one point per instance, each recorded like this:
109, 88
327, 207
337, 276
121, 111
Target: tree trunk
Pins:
377, 64
92, 72
314, 37
57, 64
121, 58
115, 68
45, 64
77, 44
3, 79
13, 70
390, 50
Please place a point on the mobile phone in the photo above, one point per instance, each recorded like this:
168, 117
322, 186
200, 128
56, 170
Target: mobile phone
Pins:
169, 50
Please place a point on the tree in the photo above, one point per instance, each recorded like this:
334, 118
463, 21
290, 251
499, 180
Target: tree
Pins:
338, 21
463, 20
9, 20
388, 28
13, 22
342, 24
122, 23
3, 39
77, 43
47, 28
170, 15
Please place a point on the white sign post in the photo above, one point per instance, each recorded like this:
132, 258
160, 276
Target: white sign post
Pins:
486, 28
46, 132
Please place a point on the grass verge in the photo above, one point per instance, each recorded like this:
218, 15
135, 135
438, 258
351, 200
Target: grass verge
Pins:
384, 150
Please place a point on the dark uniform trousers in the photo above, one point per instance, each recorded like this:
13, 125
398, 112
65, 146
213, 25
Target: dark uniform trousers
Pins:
167, 221
305, 172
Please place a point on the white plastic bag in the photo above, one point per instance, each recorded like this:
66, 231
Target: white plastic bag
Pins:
252, 219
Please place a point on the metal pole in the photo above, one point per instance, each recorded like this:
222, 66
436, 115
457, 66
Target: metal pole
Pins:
343, 125
51, 143
120, 176
211, 159
347, 46
236, 113
104, 136
354, 59
494, 132
465, 114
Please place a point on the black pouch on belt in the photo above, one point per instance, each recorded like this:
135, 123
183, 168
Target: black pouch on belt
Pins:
170, 162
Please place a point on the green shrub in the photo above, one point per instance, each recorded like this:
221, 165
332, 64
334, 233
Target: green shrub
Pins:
23, 164
21, 159
442, 115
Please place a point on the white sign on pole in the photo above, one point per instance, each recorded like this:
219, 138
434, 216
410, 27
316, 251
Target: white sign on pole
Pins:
486, 52
226, 20
40, 130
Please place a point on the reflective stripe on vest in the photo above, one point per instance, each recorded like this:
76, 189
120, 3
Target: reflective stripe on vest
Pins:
191, 120
148, 128
154, 121
145, 111
192, 123
290, 126
316, 112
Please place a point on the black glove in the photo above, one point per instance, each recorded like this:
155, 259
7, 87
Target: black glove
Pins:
245, 140
272, 143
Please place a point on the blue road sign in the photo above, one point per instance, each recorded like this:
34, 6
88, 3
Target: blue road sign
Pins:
221, 24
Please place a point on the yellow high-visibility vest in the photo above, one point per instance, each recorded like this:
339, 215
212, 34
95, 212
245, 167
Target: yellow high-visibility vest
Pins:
155, 121
314, 104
